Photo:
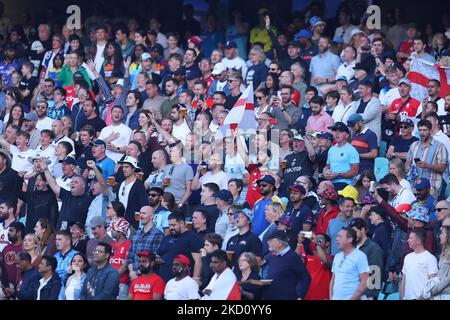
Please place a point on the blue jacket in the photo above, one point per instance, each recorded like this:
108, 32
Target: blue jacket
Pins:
30, 284
213, 88
77, 291
101, 284
51, 290
133, 124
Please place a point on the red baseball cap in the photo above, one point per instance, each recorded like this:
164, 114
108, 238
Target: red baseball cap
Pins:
183, 259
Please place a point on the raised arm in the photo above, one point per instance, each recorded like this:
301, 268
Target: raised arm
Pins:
50, 179
91, 164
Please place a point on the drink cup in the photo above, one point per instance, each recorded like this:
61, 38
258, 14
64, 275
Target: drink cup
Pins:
166, 182
230, 255
112, 181
137, 216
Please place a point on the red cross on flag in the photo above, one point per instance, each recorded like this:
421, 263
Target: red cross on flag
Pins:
241, 116
421, 72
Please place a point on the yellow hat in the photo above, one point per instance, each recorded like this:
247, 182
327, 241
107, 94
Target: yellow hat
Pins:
349, 192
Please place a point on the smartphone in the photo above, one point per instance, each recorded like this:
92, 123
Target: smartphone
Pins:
202, 97
308, 234
279, 95
372, 187
416, 160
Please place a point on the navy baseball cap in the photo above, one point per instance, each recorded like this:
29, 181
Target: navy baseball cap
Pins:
407, 122
326, 135
224, 195
267, 179
230, 45
98, 142
340, 126
422, 183
69, 160
280, 235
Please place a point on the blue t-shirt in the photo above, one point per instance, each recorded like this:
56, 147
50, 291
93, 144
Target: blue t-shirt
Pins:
233, 34
364, 142
211, 41
347, 270
259, 217
402, 145
340, 160
107, 165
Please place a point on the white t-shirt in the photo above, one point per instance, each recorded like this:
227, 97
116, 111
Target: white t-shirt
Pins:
417, 267
236, 63
67, 139
185, 289
404, 196
3, 236
20, 159
220, 178
44, 124
235, 167
99, 59
345, 34
181, 132
124, 192
49, 153
124, 138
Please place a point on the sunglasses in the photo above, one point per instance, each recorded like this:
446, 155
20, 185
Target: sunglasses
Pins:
259, 98
273, 69
153, 195
440, 209
263, 185
404, 127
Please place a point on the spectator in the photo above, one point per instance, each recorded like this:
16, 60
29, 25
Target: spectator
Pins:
267, 190
257, 73
328, 198
64, 254
214, 174
318, 263
364, 141
369, 108
343, 159
212, 242
381, 229
232, 60
180, 241
245, 240
414, 279
16, 233
46, 235
232, 229
298, 210
319, 121
79, 241
343, 219
350, 268
223, 285
147, 238
102, 281
98, 227
424, 198
28, 281
399, 194
432, 164
7, 217
75, 203
291, 279
155, 197
324, 66
400, 145
273, 213
346, 106
71, 288
248, 270
50, 284
345, 28
199, 223
182, 287
32, 247
148, 286
374, 255
442, 213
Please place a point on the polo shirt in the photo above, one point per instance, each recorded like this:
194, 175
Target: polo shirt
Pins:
259, 217
410, 109
247, 242
402, 145
324, 65
347, 270
340, 160
364, 142
73, 209
107, 165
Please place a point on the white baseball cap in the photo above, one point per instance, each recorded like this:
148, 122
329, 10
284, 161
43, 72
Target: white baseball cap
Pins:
219, 68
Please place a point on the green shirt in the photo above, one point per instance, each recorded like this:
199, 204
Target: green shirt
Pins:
66, 76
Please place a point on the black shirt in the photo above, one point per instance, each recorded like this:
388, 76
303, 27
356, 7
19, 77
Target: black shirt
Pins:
362, 106
230, 101
402, 145
213, 214
84, 153
298, 164
29, 84
73, 208
97, 123
247, 242
251, 288
10, 184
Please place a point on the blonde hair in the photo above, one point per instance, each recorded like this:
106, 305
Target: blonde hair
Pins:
446, 247
277, 207
400, 165
259, 53
37, 244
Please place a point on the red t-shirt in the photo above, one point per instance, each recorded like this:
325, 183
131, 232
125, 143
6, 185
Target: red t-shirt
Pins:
406, 47
323, 221
144, 287
296, 97
119, 257
208, 82
410, 109
253, 190
9, 261
319, 289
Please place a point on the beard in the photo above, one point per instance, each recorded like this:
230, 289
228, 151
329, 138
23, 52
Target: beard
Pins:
169, 93
145, 270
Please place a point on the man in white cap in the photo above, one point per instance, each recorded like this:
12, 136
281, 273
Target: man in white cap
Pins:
220, 72
131, 191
